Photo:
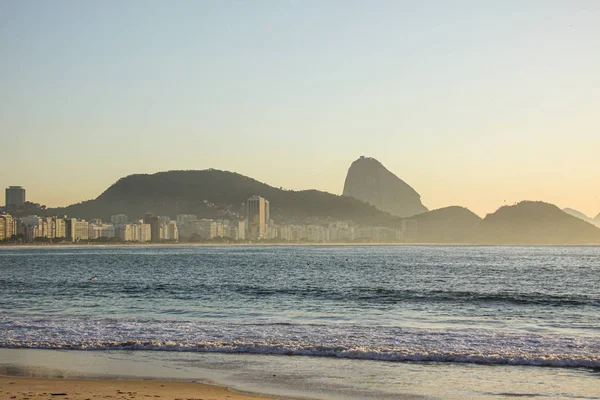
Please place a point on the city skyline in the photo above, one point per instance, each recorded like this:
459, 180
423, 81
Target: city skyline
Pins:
472, 103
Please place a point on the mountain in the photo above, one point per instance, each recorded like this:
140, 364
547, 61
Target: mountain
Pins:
445, 225
368, 180
579, 214
530, 222
216, 194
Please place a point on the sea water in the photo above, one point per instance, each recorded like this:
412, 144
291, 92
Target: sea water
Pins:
363, 321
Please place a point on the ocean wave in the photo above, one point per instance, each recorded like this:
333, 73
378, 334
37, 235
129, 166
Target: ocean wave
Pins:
365, 295
378, 354
478, 346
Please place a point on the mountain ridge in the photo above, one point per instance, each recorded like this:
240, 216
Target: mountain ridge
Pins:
213, 193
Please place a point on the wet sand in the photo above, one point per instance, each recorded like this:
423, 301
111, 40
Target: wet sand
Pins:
16, 388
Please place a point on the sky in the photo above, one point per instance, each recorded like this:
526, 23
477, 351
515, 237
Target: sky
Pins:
472, 103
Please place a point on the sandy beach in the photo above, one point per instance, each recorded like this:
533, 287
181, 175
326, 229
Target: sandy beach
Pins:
35, 388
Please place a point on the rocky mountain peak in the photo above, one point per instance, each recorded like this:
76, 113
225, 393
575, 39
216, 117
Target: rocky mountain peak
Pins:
368, 180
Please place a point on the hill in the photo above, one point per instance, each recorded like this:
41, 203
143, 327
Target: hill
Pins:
216, 194
532, 222
368, 180
445, 225
580, 215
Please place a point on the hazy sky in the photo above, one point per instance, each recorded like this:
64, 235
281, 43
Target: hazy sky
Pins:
473, 103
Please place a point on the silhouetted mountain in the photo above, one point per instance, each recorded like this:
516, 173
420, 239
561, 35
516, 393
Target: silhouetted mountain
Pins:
597, 219
446, 225
368, 180
536, 223
216, 194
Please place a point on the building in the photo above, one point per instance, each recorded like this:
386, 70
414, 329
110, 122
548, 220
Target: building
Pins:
125, 232
207, 228
32, 227
59, 227
241, 230
8, 227
118, 219
76, 230
96, 231
155, 226
258, 217
410, 230
15, 196
172, 231
133, 232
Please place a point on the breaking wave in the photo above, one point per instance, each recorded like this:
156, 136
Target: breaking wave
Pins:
479, 346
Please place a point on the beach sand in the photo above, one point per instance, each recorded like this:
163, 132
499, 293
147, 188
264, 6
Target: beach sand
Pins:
15, 388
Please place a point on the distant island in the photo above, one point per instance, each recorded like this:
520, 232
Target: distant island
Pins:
376, 206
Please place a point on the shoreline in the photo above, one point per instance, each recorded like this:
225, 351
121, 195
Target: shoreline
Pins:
19, 387
328, 244
77, 375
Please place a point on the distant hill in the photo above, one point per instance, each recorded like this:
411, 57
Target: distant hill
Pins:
536, 223
446, 225
597, 219
216, 194
368, 180
579, 214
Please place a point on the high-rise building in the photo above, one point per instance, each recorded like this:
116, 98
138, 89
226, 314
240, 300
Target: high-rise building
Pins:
155, 225
76, 230
172, 231
241, 230
59, 227
8, 227
258, 217
15, 196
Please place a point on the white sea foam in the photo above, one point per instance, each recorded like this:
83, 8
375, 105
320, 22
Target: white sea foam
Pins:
345, 341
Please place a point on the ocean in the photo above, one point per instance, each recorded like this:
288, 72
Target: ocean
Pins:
313, 321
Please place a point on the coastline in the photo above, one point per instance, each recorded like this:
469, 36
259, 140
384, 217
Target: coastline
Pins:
17, 387
294, 244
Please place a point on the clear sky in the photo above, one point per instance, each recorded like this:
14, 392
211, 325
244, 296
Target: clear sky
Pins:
473, 103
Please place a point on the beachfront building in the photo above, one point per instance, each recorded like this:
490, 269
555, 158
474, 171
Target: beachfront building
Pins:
258, 212
134, 232
96, 231
76, 230
155, 226
8, 227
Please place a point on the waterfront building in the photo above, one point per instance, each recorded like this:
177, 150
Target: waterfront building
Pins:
76, 230
258, 216
241, 230
144, 233
96, 231
410, 230
134, 232
155, 226
207, 228
59, 227
172, 231
8, 226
